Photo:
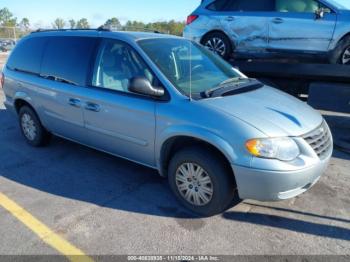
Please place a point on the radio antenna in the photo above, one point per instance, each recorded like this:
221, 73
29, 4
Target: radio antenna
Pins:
190, 65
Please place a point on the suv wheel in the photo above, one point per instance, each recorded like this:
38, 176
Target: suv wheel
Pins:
345, 58
32, 130
218, 43
341, 54
201, 181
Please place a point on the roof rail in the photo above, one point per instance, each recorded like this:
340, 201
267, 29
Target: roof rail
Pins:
101, 28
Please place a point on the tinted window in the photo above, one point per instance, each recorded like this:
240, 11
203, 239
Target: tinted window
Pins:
27, 55
68, 58
243, 5
116, 64
251, 5
303, 6
218, 5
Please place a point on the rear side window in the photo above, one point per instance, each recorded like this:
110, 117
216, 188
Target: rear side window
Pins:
243, 5
27, 55
68, 58
218, 5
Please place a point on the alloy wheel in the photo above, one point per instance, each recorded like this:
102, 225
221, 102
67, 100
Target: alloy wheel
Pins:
28, 127
216, 45
346, 56
194, 184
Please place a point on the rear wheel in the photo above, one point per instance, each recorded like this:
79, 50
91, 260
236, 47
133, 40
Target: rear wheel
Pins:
32, 130
201, 181
218, 43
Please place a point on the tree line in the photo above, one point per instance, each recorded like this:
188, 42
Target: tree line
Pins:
171, 27
7, 19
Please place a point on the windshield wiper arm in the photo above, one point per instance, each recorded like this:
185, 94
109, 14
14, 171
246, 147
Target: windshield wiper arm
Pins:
231, 86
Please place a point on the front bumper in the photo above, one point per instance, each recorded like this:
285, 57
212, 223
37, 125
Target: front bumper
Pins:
266, 185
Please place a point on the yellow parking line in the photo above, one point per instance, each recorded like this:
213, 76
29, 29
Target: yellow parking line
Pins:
45, 233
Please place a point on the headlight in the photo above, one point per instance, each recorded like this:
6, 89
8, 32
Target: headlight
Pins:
284, 148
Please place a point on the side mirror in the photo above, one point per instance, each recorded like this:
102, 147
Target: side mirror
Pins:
141, 85
319, 13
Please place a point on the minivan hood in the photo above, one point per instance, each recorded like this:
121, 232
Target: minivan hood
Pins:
271, 111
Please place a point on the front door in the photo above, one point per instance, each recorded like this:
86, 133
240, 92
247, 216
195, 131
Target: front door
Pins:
295, 26
118, 121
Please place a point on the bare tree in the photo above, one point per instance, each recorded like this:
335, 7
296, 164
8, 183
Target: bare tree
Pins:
113, 23
24, 24
59, 23
72, 23
83, 24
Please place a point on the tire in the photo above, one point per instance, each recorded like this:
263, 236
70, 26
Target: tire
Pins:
222, 182
342, 49
216, 40
32, 130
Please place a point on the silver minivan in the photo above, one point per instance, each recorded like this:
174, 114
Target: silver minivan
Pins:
170, 104
313, 29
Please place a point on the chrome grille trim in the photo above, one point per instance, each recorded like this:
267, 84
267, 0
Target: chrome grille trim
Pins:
320, 140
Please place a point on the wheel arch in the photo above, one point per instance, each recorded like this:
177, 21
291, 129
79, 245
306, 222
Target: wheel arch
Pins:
22, 100
336, 50
341, 38
173, 144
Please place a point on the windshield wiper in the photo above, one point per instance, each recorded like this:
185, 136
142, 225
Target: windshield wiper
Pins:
232, 86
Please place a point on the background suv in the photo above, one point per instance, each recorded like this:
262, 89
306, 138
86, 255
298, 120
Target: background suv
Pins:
270, 28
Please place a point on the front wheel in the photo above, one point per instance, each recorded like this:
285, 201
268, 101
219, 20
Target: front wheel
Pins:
341, 54
201, 181
345, 58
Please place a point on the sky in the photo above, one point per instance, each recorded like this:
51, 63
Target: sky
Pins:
41, 13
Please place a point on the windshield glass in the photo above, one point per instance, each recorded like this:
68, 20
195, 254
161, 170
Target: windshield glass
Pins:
338, 4
184, 62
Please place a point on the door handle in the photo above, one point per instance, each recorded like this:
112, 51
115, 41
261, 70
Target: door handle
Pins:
230, 19
92, 107
278, 20
74, 102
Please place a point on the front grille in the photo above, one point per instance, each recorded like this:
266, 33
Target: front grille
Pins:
320, 140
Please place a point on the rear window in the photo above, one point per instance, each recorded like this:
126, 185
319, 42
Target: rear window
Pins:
68, 58
27, 55
243, 5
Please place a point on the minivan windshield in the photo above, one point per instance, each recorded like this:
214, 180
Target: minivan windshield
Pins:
188, 65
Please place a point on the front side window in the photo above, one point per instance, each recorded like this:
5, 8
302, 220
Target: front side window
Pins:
298, 6
116, 64
189, 66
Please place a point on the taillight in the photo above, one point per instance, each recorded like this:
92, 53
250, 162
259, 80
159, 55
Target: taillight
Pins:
2, 80
191, 19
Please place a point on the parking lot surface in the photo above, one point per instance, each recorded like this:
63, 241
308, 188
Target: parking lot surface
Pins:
104, 205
